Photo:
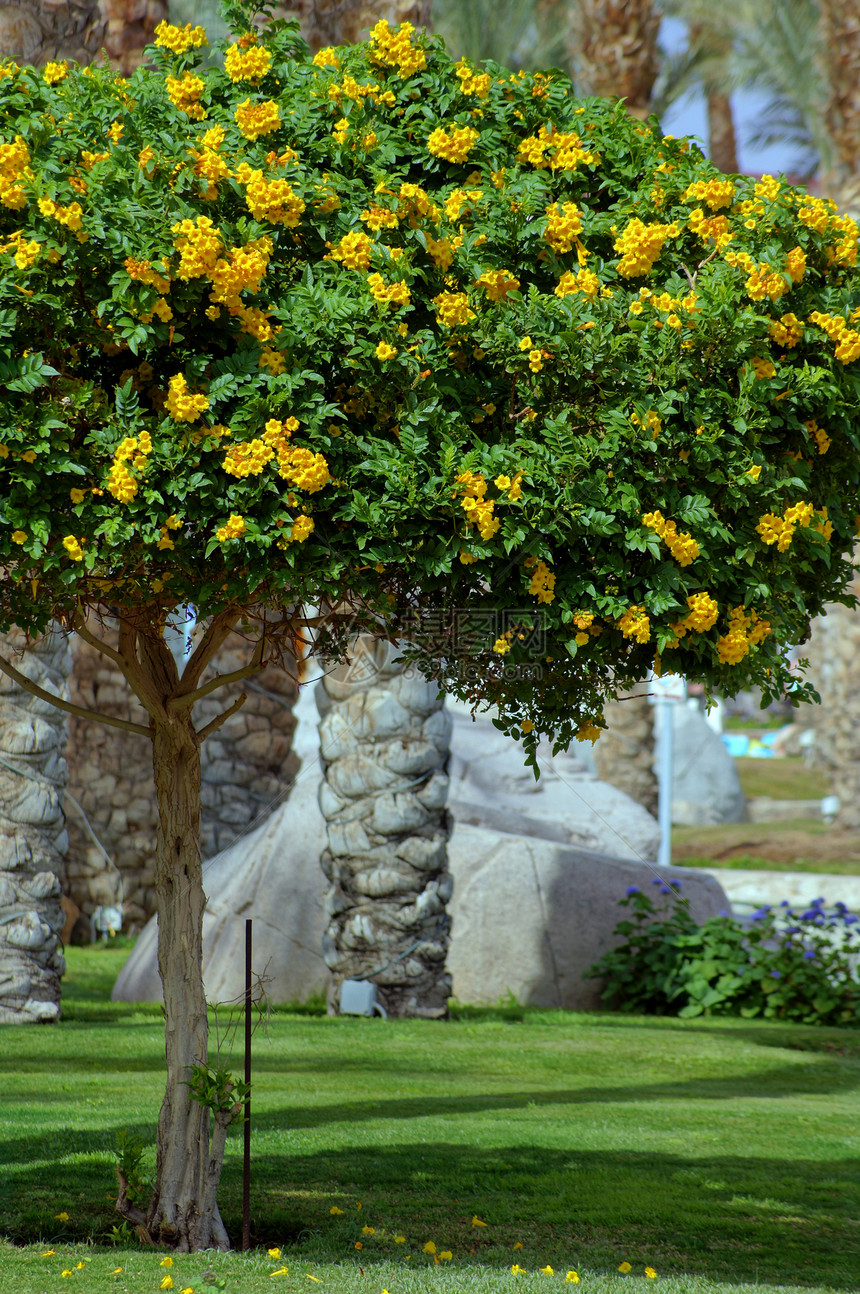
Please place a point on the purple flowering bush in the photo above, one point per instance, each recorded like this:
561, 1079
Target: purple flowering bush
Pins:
785, 965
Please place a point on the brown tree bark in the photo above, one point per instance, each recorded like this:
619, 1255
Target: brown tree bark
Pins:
613, 50
840, 54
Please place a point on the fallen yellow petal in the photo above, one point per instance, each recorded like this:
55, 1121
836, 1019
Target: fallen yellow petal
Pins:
274, 1253
476, 1222
429, 1248
334, 1210
518, 1245
313, 1278
447, 1255
166, 1262
367, 1231
49, 1253
189, 1289
400, 1240
650, 1273
167, 1283
572, 1276
80, 1266
66, 1272
61, 1217
282, 1271
517, 1270
546, 1271
625, 1267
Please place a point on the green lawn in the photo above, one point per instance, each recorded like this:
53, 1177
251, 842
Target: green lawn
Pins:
789, 778
722, 1154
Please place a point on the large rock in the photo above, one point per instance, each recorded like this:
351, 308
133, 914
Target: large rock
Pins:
530, 916
538, 870
706, 788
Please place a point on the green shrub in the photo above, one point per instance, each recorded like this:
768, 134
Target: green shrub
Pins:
784, 965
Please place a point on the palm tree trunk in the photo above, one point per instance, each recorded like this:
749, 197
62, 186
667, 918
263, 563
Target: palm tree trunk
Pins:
384, 744
33, 32
613, 50
839, 30
32, 833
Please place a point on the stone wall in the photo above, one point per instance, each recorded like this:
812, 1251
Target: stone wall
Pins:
247, 767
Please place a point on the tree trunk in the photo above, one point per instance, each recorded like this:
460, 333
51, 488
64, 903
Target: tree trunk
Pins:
183, 1212
613, 50
32, 833
43, 31
624, 755
722, 142
384, 743
345, 22
839, 27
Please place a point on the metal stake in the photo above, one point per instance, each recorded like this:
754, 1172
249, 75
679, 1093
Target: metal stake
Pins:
246, 1167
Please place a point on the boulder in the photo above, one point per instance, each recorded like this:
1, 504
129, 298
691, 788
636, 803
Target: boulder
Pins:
538, 870
529, 916
706, 788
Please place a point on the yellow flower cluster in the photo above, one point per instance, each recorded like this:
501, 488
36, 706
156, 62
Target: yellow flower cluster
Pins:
542, 583
498, 284
703, 613
377, 218
272, 200
185, 95
54, 72
563, 225
457, 199
478, 509
502, 645
472, 82
746, 630
796, 263
556, 149
442, 250
416, 204
250, 63
681, 544
762, 281
179, 39
303, 468
453, 309
715, 229
143, 272
635, 623
353, 251
301, 528
762, 367
180, 404
651, 422
587, 731
26, 251
639, 246
199, 245
388, 293
454, 145
514, 487
786, 331
69, 216
256, 119
234, 529
714, 193
247, 458
120, 481
395, 48
385, 350
173, 522
583, 280
836, 327
819, 435
74, 547
780, 530
244, 268
326, 57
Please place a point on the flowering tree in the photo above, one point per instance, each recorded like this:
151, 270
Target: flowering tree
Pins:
438, 351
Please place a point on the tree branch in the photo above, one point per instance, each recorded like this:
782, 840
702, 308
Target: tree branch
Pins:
110, 720
79, 625
215, 724
134, 673
216, 634
185, 700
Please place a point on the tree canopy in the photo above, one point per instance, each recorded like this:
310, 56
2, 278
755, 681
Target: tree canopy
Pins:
382, 327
